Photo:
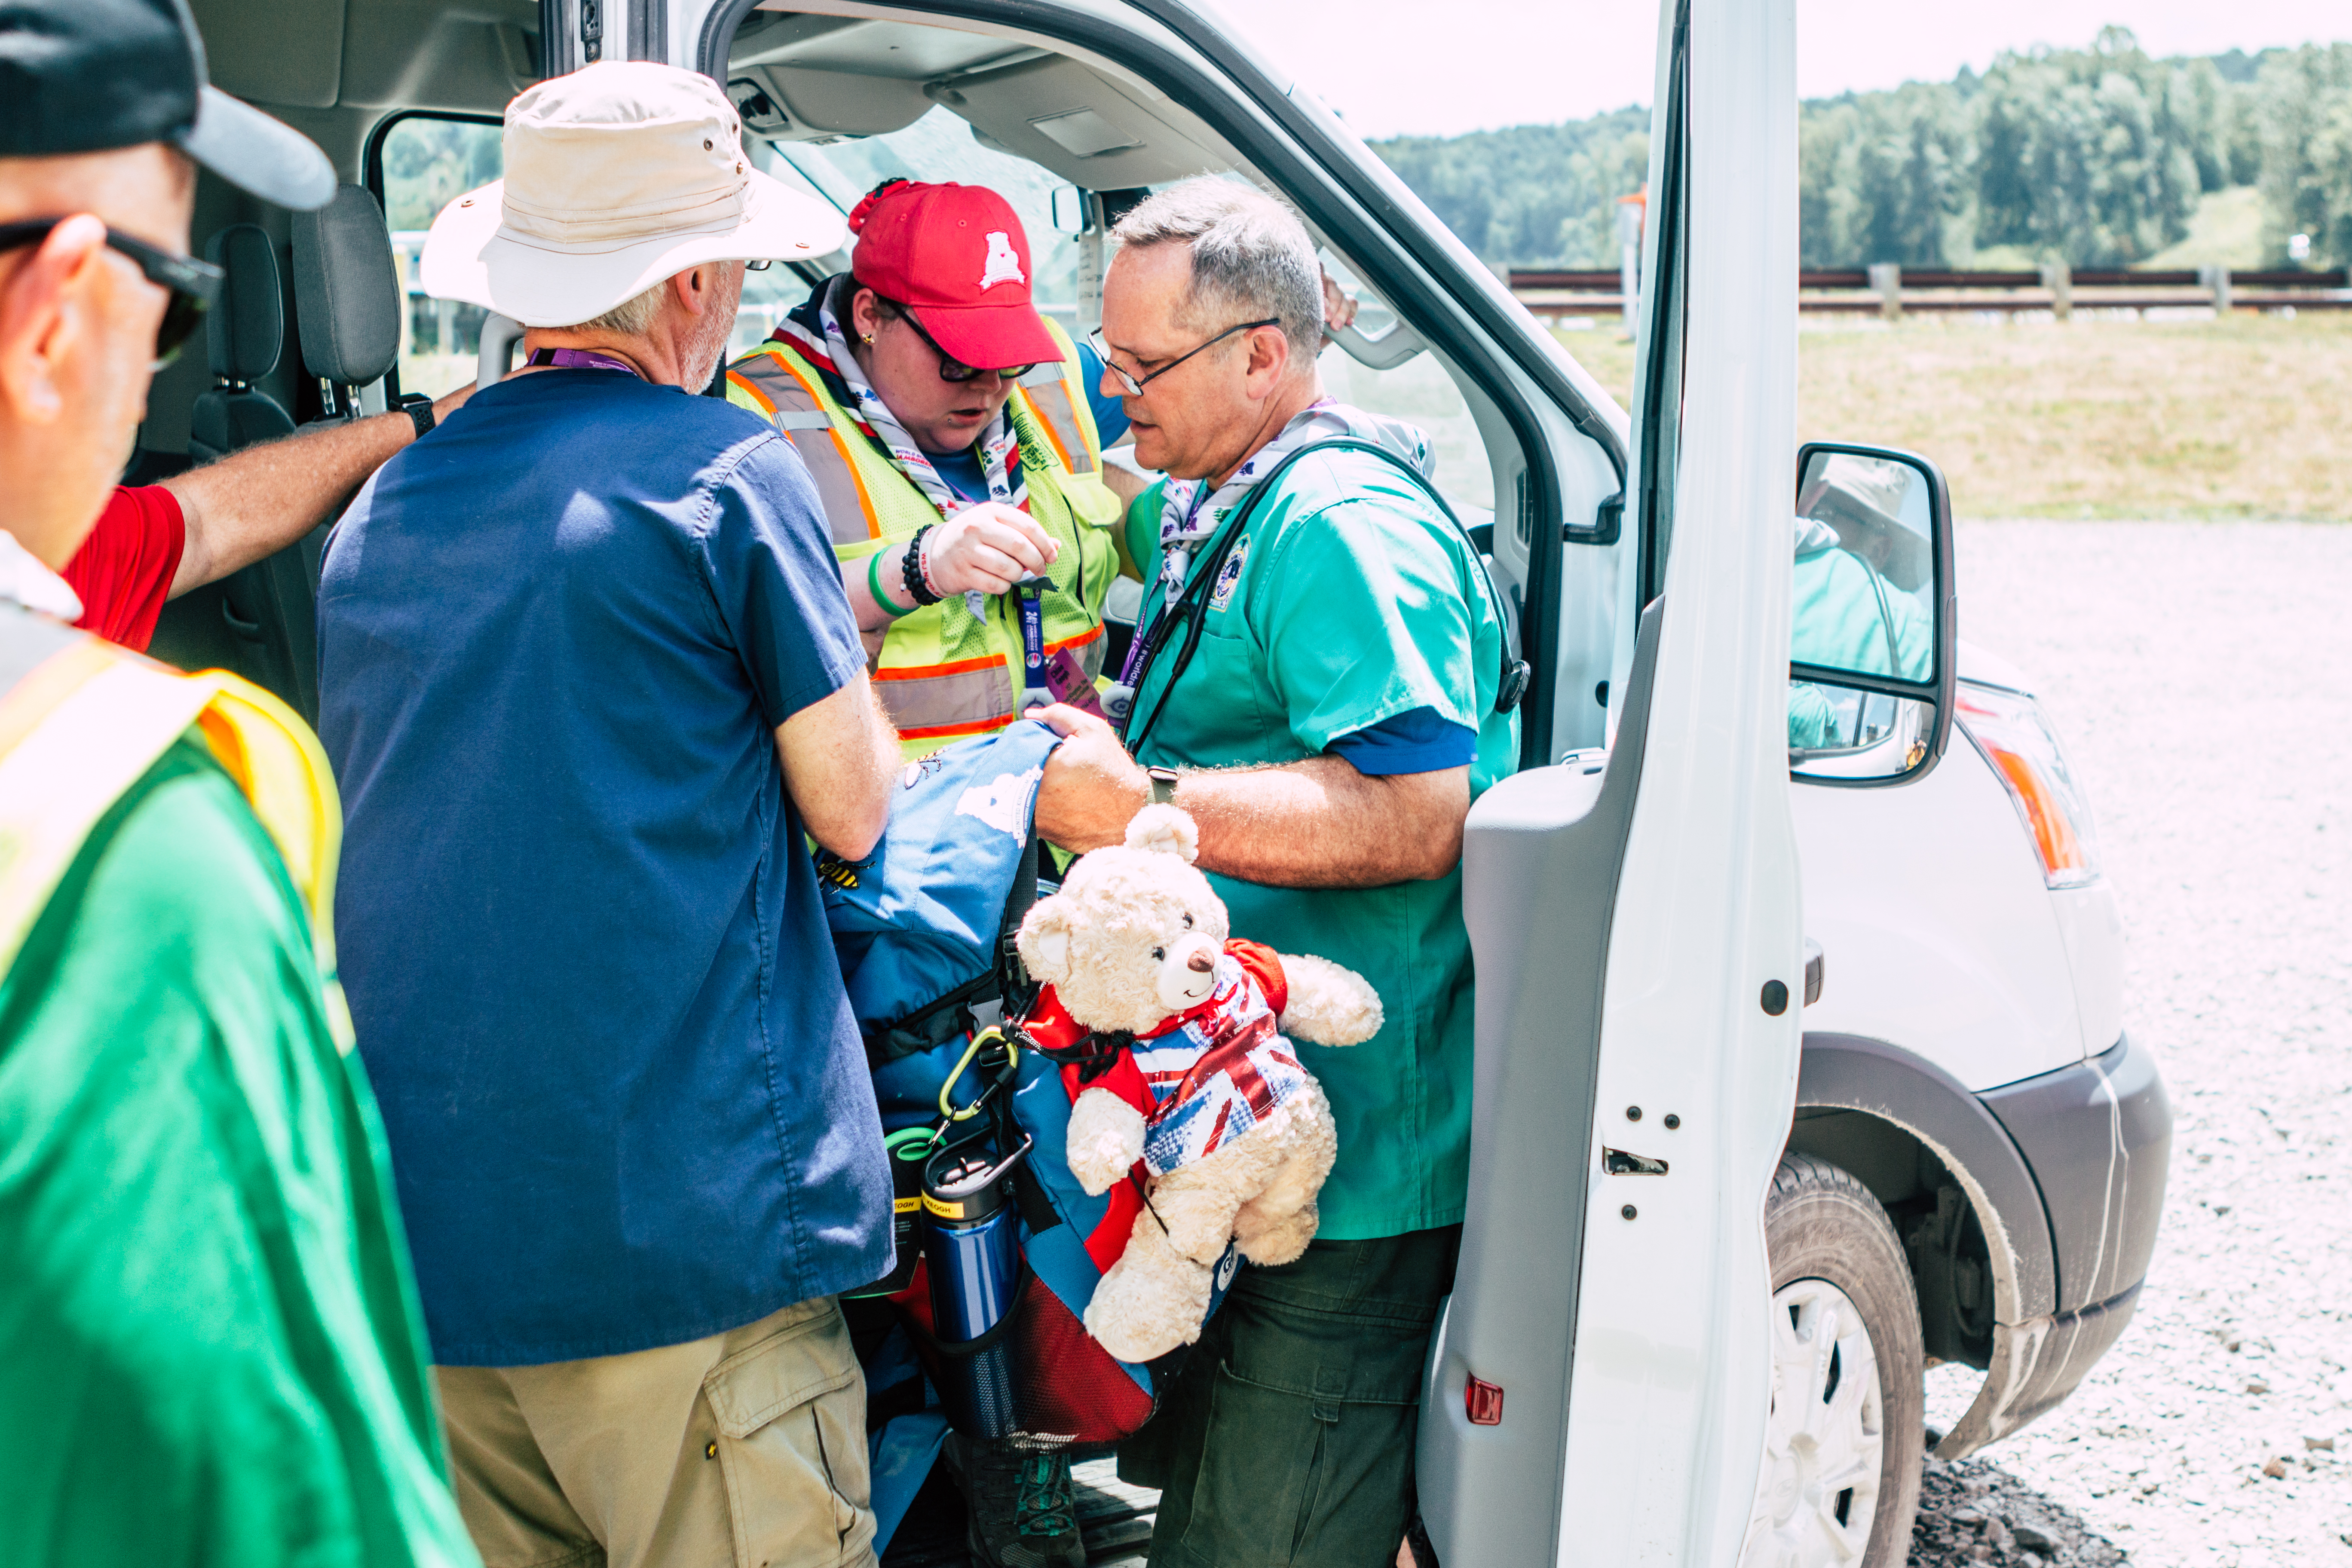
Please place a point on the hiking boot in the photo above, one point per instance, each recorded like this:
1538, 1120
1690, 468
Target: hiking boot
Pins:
1022, 1514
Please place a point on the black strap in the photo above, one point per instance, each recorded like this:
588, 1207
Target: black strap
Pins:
996, 1333
942, 1019
1192, 602
1094, 1054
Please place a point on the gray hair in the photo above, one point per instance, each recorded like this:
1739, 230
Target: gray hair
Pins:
1252, 258
631, 318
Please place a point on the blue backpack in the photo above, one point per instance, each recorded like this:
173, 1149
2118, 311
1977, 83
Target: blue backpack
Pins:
923, 927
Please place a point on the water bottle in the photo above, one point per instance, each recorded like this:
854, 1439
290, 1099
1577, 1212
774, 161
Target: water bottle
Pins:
972, 1251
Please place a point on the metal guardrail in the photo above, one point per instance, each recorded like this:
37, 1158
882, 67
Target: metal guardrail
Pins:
1890, 291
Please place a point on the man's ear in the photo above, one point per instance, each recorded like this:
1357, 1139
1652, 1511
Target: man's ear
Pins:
1270, 361
42, 320
1045, 941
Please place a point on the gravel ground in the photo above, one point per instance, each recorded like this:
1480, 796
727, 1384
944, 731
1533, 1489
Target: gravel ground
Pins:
2200, 675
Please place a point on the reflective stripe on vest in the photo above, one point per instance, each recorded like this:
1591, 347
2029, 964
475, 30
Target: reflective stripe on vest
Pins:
792, 399
90, 718
942, 674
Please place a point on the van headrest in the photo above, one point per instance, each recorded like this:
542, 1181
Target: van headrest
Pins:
245, 329
347, 298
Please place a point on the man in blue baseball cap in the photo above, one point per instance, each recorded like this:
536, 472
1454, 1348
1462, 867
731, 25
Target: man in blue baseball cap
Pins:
210, 1347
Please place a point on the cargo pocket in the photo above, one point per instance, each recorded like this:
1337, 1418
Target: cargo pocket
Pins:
1313, 1474
790, 1412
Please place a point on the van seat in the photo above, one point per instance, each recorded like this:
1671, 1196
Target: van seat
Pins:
347, 295
245, 331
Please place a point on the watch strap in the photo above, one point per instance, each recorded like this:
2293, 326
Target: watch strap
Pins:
419, 409
1164, 786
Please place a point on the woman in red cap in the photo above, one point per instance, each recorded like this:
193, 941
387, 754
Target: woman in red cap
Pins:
956, 442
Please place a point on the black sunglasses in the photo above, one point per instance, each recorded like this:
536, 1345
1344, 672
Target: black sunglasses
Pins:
194, 284
952, 369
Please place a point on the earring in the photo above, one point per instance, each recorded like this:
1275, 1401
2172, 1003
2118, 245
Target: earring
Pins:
866, 338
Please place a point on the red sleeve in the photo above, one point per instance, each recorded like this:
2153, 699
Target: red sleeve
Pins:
1265, 967
123, 571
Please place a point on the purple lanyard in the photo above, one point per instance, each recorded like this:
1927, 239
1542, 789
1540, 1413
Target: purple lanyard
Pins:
582, 359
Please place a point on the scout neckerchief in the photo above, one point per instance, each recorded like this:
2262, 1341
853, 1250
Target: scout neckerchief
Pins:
825, 347
814, 332
1189, 512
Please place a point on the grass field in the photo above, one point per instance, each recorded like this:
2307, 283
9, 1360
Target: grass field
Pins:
2250, 417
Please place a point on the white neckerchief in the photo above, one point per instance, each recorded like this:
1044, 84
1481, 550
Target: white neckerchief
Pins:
999, 447
1189, 512
25, 581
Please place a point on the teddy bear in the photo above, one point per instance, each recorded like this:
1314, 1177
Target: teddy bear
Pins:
1135, 947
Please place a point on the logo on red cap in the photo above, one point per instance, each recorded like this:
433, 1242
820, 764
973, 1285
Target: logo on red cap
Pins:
1003, 262
956, 257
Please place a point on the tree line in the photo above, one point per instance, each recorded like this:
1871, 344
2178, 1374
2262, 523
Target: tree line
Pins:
2096, 156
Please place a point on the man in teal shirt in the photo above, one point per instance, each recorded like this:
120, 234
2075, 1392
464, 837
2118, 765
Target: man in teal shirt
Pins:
1334, 720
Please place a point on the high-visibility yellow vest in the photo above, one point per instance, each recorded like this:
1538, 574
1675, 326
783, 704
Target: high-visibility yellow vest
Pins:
943, 673
84, 719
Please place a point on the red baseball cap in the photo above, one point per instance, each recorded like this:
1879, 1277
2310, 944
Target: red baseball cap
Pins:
955, 256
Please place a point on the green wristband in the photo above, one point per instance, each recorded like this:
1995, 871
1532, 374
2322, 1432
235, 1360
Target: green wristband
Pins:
873, 586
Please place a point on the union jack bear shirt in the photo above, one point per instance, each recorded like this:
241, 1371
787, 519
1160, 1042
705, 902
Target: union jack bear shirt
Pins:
1211, 1072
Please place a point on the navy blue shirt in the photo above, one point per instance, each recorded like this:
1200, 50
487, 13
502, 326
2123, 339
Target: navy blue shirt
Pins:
577, 922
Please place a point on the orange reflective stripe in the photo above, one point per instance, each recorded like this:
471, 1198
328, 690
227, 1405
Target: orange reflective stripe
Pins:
798, 411
767, 404
1054, 416
858, 482
952, 731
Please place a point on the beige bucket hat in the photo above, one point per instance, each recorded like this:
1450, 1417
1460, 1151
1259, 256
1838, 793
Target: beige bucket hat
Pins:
617, 177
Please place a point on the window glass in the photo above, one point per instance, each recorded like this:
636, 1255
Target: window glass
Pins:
939, 147
427, 163
1420, 390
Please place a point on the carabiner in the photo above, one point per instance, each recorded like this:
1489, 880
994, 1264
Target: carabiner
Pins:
979, 1039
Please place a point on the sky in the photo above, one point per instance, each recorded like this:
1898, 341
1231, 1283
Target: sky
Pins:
1517, 62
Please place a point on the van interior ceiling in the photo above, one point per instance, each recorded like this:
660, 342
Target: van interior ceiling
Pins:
829, 102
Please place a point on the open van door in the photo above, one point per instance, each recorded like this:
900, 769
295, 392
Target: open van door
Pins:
1599, 1388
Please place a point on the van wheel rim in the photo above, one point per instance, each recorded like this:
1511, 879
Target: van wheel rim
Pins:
1825, 1444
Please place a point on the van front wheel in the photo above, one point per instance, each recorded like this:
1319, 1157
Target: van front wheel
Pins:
1840, 1479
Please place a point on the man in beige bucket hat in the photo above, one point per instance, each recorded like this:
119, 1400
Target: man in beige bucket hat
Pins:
588, 679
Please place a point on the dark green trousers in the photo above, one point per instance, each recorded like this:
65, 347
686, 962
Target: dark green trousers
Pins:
1287, 1439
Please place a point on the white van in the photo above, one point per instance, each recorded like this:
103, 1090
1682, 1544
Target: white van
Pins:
1800, 1063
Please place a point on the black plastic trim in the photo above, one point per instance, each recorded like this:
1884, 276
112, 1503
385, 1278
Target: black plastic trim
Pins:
1849, 1072
2098, 1138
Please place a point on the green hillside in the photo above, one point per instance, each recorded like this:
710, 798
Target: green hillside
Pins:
2102, 157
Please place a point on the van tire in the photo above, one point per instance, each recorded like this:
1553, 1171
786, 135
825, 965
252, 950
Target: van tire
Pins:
1823, 1228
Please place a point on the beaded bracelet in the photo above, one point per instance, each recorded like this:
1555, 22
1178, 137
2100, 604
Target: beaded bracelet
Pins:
873, 586
910, 572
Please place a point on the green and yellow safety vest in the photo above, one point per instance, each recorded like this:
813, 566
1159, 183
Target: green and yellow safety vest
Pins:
82, 719
942, 672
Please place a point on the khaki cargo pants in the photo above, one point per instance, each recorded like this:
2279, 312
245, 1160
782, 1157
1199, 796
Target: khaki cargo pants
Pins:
748, 1447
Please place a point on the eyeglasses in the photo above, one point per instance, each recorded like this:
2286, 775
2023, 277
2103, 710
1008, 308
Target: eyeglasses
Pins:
194, 284
1134, 386
952, 369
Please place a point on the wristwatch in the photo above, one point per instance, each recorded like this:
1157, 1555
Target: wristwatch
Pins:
419, 409
1164, 786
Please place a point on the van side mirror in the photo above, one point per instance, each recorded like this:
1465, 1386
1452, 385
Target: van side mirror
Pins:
1874, 624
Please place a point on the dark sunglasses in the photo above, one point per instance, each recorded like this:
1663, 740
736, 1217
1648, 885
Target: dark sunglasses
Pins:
194, 284
952, 369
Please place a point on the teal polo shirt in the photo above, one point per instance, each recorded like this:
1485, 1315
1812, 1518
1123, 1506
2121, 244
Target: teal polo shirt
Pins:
1356, 601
